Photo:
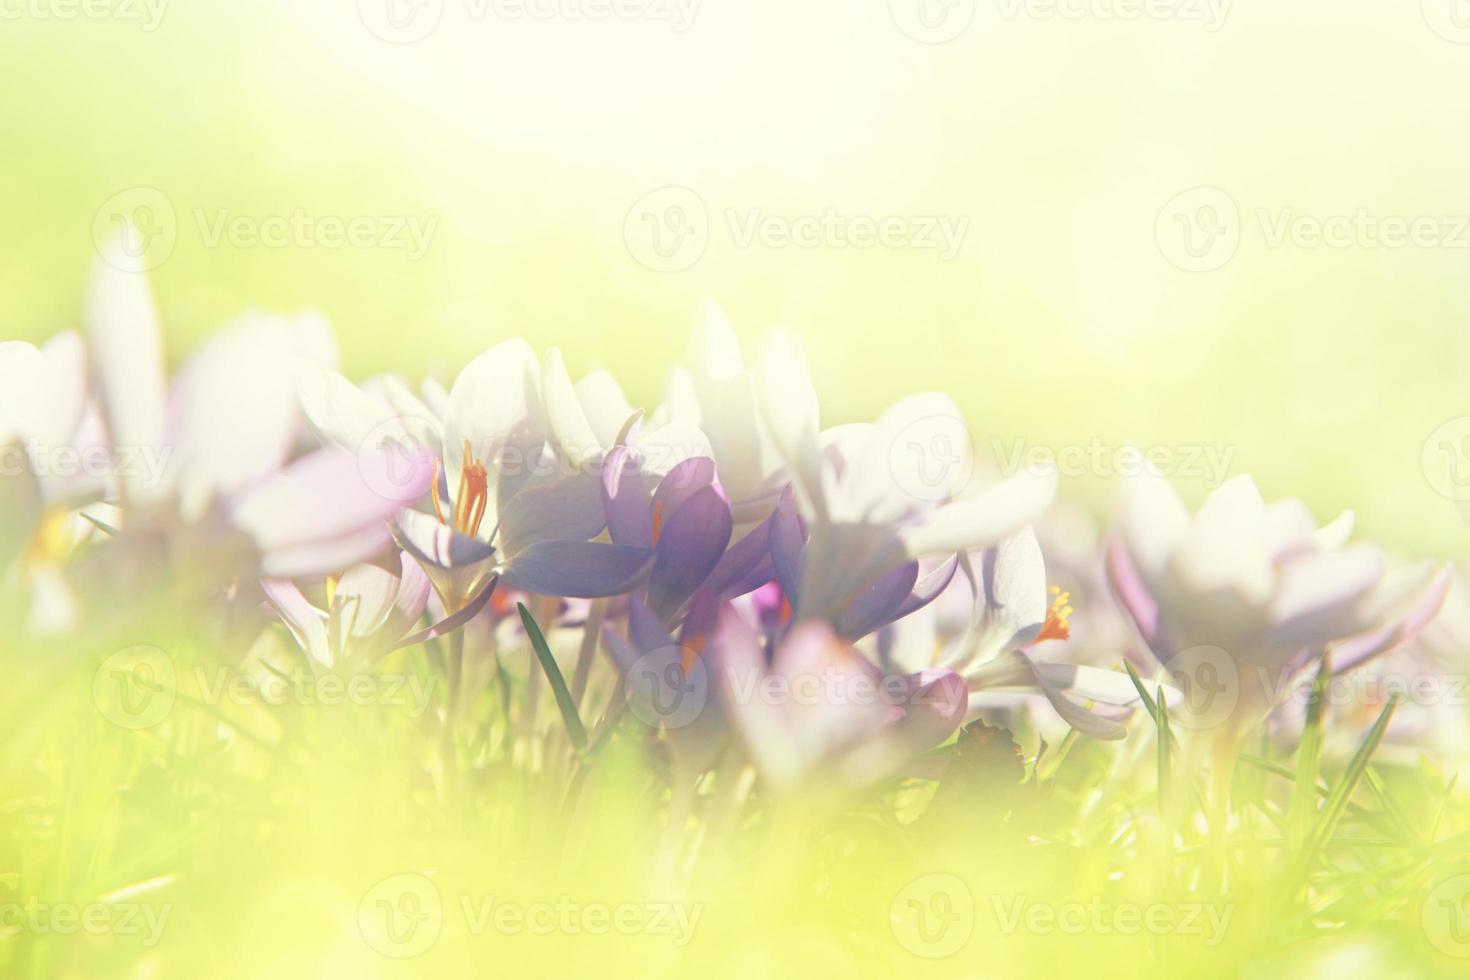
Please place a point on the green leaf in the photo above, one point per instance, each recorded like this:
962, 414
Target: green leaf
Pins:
564, 700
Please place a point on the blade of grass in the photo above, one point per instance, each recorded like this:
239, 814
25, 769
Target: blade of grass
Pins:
564, 701
1337, 800
1165, 738
1303, 808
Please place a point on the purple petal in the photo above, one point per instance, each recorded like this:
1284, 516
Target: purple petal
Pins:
689, 548
936, 704
433, 543
1358, 650
787, 544
745, 566
1131, 594
647, 633
877, 604
580, 569
453, 621
686, 479
625, 502
570, 509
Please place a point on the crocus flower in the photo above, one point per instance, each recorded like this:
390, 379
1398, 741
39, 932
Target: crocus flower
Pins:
865, 511
227, 472
1011, 613
369, 611
505, 504
1260, 581
818, 711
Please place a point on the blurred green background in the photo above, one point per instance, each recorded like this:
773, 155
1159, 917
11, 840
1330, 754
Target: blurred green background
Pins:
1073, 310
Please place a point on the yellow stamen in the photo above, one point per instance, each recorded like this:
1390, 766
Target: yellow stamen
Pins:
1058, 618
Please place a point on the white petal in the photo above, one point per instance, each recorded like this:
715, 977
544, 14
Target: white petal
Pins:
216, 448
340, 413
495, 407
1154, 520
714, 353
127, 349
976, 522
604, 404
570, 428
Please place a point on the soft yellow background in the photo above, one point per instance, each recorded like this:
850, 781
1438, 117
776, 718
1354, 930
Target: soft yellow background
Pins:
1061, 320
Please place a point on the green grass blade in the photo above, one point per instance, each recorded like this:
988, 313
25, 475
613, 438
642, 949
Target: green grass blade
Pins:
1303, 808
564, 700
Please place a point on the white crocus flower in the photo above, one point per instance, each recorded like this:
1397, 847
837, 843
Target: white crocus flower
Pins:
1011, 612
1259, 581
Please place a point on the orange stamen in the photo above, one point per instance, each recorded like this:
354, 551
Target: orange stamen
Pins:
1058, 625
658, 519
473, 496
